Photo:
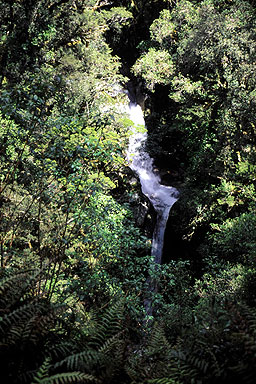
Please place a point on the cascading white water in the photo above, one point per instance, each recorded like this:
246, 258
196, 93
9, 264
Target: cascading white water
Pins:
161, 196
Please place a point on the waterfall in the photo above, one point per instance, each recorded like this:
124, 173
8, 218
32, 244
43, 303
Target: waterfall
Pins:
161, 196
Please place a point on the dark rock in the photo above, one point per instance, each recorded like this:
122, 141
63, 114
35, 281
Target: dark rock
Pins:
175, 246
143, 211
129, 192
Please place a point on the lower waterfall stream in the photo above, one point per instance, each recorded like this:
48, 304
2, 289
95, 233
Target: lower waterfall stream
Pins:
162, 197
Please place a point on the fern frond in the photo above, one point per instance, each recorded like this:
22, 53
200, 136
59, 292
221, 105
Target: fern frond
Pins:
111, 344
20, 314
112, 356
42, 376
164, 380
244, 337
43, 371
68, 377
80, 360
16, 285
10, 288
158, 341
61, 350
109, 325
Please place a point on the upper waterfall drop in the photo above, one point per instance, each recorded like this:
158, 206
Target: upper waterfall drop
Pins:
161, 196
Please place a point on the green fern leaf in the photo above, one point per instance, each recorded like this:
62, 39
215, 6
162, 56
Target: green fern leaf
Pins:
164, 380
42, 373
109, 325
68, 377
80, 360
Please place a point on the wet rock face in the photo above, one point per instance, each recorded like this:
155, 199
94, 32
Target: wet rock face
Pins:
175, 247
136, 92
129, 192
143, 211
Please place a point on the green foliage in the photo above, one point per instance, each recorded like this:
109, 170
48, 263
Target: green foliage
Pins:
62, 159
162, 30
235, 238
217, 347
33, 330
27, 321
63, 378
207, 81
74, 265
210, 116
155, 67
116, 18
42, 376
103, 353
207, 123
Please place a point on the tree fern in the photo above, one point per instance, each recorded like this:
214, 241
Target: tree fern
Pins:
12, 287
153, 359
25, 326
67, 377
164, 380
158, 341
112, 356
109, 324
83, 360
244, 339
42, 376
43, 371
103, 350
21, 314
110, 344
63, 348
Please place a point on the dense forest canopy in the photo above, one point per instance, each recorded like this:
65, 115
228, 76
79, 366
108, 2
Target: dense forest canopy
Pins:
74, 242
